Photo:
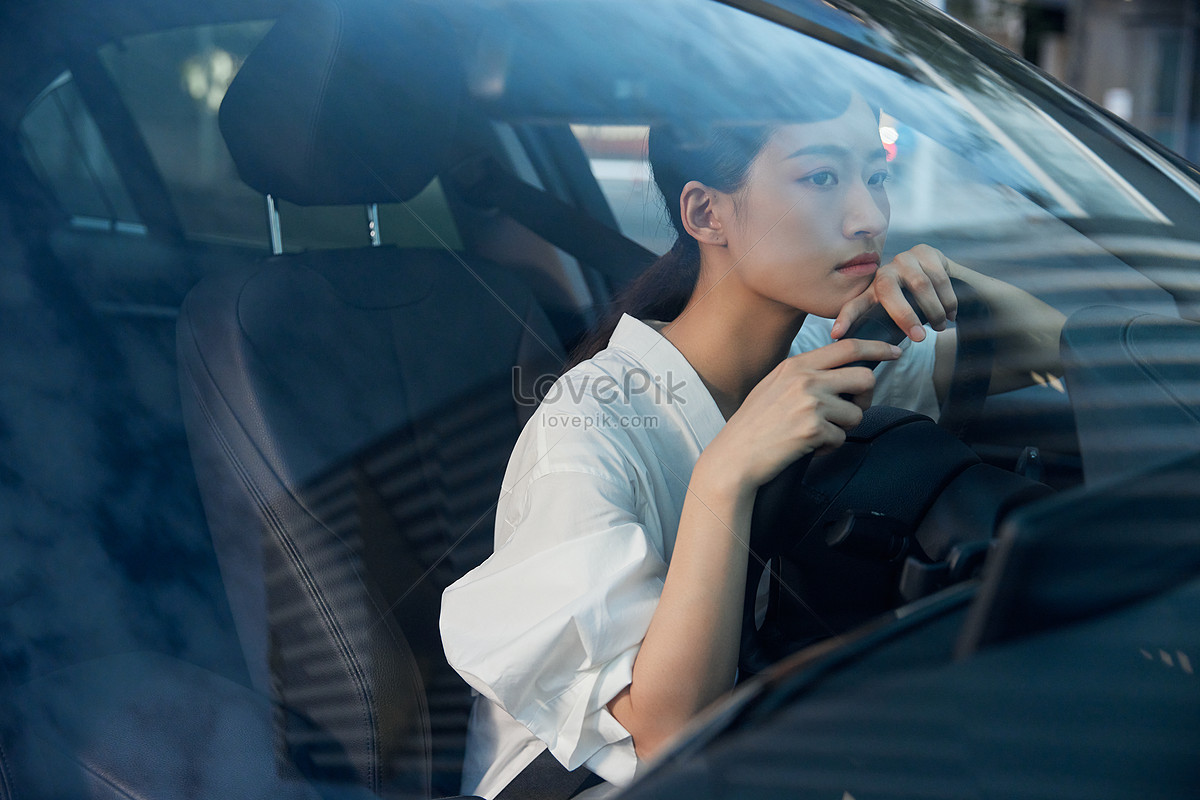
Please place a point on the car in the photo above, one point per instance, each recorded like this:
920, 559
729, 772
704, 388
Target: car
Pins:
281, 282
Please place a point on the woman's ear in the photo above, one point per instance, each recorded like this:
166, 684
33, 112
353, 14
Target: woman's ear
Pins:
699, 206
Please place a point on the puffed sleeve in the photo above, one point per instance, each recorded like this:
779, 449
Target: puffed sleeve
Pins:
549, 626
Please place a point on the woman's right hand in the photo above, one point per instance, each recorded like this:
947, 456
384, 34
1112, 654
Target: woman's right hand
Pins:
690, 653
805, 404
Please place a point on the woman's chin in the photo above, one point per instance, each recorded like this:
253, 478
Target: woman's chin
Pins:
824, 304
830, 308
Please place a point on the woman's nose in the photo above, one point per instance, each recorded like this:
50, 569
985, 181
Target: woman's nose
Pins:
866, 213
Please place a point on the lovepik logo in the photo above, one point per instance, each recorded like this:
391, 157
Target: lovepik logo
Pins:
547, 387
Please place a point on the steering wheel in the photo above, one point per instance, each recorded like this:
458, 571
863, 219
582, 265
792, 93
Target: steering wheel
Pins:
974, 358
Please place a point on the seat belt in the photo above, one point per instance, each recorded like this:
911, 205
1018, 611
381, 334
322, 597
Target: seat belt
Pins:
546, 779
483, 183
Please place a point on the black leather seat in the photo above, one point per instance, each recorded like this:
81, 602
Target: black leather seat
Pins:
351, 412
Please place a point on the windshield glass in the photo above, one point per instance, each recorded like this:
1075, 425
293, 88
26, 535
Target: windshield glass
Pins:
980, 166
258, 411
989, 162
537, 61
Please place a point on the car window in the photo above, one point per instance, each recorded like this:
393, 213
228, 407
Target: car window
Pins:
617, 156
172, 83
64, 147
423, 221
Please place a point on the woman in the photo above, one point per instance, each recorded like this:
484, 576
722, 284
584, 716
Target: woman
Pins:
610, 613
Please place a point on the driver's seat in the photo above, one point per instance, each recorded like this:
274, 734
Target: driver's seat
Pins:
351, 412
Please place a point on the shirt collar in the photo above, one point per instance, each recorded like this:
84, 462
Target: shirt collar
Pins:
673, 372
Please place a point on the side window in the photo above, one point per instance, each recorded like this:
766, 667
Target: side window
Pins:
173, 82
63, 145
423, 221
617, 154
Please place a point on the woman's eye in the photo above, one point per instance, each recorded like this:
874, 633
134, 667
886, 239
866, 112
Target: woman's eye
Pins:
880, 178
823, 178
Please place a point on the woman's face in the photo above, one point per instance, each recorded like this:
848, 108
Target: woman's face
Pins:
810, 221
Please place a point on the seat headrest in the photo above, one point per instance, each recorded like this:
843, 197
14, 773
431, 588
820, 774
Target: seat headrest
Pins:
346, 102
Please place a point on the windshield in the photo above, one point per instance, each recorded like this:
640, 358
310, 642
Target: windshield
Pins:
238, 409
538, 61
988, 161
981, 166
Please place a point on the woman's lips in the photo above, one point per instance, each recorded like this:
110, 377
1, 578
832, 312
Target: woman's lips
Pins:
865, 264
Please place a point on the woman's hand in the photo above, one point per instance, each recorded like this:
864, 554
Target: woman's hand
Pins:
805, 404
689, 656
924, 270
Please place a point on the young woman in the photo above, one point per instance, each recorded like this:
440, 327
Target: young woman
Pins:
610, 613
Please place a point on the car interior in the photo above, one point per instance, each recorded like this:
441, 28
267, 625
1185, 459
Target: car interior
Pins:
331, 355
365, 463
368, 460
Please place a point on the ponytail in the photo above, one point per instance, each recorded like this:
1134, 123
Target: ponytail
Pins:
661, 292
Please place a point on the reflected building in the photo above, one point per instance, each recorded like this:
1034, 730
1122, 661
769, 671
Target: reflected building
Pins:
1137, 58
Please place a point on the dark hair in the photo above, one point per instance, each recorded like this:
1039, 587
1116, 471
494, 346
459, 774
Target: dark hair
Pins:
717, 157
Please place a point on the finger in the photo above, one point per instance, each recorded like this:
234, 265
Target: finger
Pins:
860, 393
905, 315
849, 381
863, 399
930, 285
852, 311
891, 296
844, 413
945, 290
929, 300
846, 351
829, 439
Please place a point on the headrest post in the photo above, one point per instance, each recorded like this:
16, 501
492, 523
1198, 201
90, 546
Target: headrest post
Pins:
373, 224
273, 224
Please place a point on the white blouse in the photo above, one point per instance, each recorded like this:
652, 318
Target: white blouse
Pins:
547, 629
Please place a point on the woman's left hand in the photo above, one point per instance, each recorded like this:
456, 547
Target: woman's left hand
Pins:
924, 271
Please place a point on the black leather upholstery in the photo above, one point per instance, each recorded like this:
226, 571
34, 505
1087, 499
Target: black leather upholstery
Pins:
345, 103
345, 441
351, 413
